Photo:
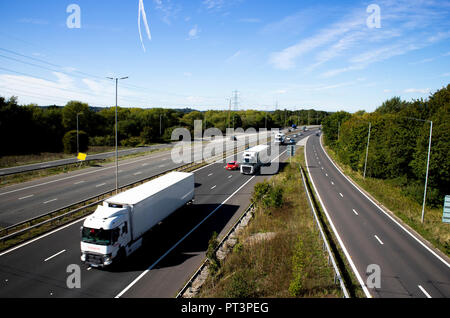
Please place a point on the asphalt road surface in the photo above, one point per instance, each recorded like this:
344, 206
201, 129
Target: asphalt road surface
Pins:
62, 162
371, 237
159, 268
27, 200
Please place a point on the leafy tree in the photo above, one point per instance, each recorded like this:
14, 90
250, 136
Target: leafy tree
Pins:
70, 112
70, 141
392, 106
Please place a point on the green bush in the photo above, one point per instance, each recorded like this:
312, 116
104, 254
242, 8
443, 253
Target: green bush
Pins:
131, 142
267, 195
70, 141
102, 141
260, 190
242, 285
214, 263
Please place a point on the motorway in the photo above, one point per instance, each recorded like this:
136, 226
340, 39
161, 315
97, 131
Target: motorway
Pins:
62, 162
170, 254
31, 199
368, 235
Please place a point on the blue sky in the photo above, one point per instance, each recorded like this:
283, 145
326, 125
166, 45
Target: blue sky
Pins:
302, 54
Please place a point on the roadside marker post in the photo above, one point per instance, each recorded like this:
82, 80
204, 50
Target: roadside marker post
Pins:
446, 214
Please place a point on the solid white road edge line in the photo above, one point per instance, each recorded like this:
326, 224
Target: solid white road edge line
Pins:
424, 291
184, 237
386, 213
49, 258
344, 249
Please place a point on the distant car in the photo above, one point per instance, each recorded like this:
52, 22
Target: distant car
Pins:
292, 141
317, 134
294, 136
232, 165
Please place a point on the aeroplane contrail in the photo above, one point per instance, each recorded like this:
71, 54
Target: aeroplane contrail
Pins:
144, 17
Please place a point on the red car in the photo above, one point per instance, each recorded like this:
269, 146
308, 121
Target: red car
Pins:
232, 165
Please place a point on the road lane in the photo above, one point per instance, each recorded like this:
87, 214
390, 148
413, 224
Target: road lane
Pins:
371, 237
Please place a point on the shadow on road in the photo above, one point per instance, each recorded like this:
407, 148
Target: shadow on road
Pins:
164, 236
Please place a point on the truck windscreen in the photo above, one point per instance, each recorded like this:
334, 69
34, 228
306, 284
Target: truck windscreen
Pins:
96, 236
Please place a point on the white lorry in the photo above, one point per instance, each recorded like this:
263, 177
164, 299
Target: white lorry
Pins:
280, 138
253, 159
115, 229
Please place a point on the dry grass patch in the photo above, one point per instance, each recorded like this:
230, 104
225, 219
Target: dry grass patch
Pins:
288, 262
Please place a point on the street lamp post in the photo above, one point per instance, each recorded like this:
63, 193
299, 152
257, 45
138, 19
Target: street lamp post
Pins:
426, 176
367, 151
117, 151
78, 142
428, 163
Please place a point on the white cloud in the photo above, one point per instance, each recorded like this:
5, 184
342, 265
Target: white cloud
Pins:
406, 26
213, 4
438, 37
233, 57
427, 60
369, 57
286, 58
168, 10
193, 33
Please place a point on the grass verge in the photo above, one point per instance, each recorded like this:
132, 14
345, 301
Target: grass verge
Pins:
405, 208
279, 254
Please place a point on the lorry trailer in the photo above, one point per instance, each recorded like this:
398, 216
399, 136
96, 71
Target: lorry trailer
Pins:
115, 229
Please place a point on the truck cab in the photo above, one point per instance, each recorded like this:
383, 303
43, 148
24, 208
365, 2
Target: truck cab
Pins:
105, 234
280, 138
252, 159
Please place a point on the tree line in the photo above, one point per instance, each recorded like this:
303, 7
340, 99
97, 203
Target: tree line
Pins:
399, 140
30, 129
